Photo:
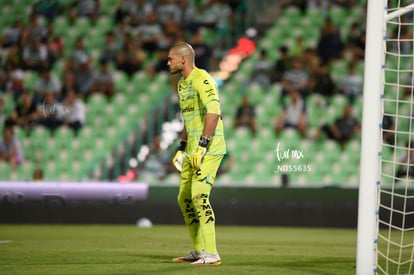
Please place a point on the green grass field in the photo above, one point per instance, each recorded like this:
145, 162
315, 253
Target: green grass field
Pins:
123, 249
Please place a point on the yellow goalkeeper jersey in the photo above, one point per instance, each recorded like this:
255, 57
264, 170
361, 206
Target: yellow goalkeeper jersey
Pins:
196, 92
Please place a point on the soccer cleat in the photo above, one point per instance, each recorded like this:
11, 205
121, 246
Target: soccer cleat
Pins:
208, 259
190, 257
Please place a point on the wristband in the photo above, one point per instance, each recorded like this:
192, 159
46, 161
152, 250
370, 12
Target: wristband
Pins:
182, 145
203, 142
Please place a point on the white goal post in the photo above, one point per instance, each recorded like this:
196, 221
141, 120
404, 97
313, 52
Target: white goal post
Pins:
385, 238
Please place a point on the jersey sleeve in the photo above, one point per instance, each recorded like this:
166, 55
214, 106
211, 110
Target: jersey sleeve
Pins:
208, 93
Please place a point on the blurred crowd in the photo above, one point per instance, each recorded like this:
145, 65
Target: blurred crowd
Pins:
50, 74
302, 71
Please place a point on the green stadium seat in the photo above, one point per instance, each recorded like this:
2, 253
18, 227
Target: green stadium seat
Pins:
61, 25
104, 24
39, 135
289, 138
5, 170
82, 26
121, 81
316, 17
30, 79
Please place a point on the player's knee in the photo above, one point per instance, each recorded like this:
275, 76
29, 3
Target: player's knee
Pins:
200, 198
183, 200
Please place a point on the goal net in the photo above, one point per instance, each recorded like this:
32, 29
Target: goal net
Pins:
392, 243
396, 197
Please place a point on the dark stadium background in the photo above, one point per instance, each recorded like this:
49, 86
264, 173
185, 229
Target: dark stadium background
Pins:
112, 146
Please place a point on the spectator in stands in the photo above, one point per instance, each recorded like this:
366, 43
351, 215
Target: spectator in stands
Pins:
84, 8
34, 31
262, 71
83, 76
150, 33
35, 55
330, 45
122, 10
49, 112
15, 84
37, 175
388, 129
103, 80
406, 166
294, 114
246, 116
48, 8
79, 55
167, 10
13, 59
10, 149
343, 129
352, 38
47, 83
214, 14
12, 35
311, 61
160, 64
74, 112
322, 83
120, 30
68, 83
203, 51
356, 42
24, 114
4, 77
187, 13
110, 47
238, 8
131, 58
282, 64
351, 84
54, 44
137, 8
171, 28
295, 79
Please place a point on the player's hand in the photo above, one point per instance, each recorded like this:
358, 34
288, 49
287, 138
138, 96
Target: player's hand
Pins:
178, 158
197, 156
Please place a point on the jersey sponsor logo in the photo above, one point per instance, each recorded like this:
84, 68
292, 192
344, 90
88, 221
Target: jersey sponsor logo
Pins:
206, 82
188, 110
185, 86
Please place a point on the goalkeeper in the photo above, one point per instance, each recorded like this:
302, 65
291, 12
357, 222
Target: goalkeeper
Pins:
200, 152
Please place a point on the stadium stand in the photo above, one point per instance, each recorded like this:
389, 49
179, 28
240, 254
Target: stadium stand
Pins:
116, 128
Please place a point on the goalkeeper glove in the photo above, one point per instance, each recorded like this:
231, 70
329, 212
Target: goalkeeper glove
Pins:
178, 158
197, 156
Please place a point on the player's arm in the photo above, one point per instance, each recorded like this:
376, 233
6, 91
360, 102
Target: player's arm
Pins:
209, 97
210, 125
